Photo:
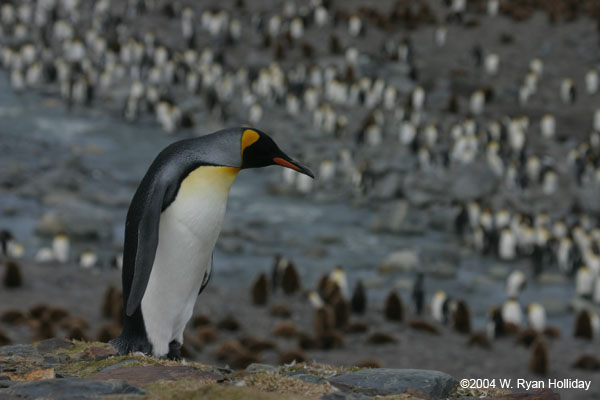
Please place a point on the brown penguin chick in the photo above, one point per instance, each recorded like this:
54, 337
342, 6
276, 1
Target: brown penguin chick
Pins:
359, 299
77, 333
510, 328
281, 311
290, 356
393, 309
201, 320
229, 323
4, 339
583, 325
425, 326
552, 332
232, 352
108, 301
290, 282
257, 345
207, 334
526, 337
369, 363
341, 312
461, 318
330, 340
260, 290
323, 321
43, 329
13, 317
107, 332
587, 362
286, 329
243, 359
322, 285
356, 327
307, 342
480, 339
538, 361
193, 341
332, 293
228, 348
12, 275
72, 322
381, 338
38, 311
57, 314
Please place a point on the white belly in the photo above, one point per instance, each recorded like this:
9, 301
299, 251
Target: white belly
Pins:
188, 232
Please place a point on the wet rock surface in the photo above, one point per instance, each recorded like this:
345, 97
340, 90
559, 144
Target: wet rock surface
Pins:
383, 381
71, 388
77, 376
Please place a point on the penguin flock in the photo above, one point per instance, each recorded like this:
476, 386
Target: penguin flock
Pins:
92, 55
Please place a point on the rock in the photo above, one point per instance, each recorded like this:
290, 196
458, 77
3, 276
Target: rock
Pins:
471, 182
399, 261
97, 353
309, 378
256, 367
344, 396
441, 270
552, 278
541, 394
387, 187
77, 219
391, 217
72, 388
48, 345
148, 374
32, 375
383, 381
18, 350
120, 364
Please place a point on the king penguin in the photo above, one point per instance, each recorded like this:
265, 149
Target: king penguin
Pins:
172, 227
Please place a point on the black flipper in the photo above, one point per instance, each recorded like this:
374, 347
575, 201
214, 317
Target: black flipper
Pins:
147, 218
207, 274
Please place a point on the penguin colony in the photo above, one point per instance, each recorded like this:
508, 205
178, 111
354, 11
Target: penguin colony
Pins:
90, 56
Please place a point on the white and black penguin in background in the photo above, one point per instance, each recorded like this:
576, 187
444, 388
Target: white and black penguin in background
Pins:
172, 227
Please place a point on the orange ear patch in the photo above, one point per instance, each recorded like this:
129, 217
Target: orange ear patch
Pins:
249, 137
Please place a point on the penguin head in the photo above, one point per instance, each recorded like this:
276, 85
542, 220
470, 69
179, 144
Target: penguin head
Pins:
259, 150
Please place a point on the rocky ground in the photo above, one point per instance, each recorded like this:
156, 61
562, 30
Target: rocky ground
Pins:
227, 331
61, 369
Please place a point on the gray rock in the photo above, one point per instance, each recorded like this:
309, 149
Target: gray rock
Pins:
391, 217
309, 378
72, 389
121, 364
256, 367
5, 383
387, 187
48, 345
77, 219
472, 182
384, 381
18, 350
344, 396
399, 261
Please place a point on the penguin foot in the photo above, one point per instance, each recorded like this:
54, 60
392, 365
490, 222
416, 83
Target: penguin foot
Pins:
174, 351
127, 344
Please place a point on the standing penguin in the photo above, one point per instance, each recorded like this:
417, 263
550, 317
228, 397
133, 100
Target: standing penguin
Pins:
172, 227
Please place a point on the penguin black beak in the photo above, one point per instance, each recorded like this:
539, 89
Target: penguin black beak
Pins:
292, 164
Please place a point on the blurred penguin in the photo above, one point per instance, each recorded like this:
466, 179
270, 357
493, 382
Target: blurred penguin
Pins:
418, 293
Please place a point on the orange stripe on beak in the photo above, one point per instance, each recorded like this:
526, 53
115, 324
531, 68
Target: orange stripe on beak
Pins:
286, 163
